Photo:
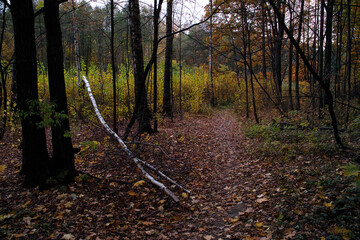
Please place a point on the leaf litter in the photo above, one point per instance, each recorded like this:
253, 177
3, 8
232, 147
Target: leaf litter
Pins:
235, 192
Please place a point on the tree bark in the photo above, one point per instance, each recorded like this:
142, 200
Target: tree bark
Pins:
113, 66
141, 110
63, 153
167, 105
297, 60
34, 152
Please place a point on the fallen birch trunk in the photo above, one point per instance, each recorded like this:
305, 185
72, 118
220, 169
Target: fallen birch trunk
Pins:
137, 161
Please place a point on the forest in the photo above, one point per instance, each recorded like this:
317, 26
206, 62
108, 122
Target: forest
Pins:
180, 119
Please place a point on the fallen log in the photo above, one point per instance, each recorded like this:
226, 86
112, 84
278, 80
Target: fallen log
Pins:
136, 160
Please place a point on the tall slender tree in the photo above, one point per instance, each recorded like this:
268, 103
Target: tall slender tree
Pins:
167, 105
63, 154
141, 111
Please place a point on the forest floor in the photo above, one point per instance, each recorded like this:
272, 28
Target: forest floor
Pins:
237, 192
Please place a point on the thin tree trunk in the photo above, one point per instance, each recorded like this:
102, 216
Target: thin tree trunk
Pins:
76, 44
180, 63
113, 66
290, 70
244, 20
167, 106
348, 65
63, 153
321, 56
141, 111
156, 36
212, 100
3, 92
251, 77
297, 59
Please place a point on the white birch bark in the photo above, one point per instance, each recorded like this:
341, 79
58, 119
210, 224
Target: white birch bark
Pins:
137, 161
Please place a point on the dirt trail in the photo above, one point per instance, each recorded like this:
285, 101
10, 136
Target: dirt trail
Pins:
226, 181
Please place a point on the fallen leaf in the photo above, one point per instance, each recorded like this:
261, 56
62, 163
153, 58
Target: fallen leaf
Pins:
208, 237
68, 236
131, 193
259, 224
146, 223
290, 233
2, 168
18, 235
261, 200
185, 195
139, 183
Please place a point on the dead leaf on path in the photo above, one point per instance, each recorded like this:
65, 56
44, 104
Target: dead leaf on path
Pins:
184, 195
68, 236
18, 235
208, 237
259, 224
146, 223
289, 233
234, 220
139, 183
2, 168
131, 193
261, 200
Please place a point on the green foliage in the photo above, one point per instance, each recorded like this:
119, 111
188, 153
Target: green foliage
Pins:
353, 171
47, 111
288, 141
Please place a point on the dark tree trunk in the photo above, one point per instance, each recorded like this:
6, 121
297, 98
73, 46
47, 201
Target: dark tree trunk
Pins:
155, 47
328, 44
34, 153
297, 60
321, 56
251, 77
290, 72
348, 65
141, 110
167, 106
3, 69
113, 66
244, 20
63, 154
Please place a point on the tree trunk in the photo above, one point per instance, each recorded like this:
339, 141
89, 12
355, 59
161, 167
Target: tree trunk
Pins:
113, 66
348, 65
76, 44
3, 91
34, 152
212, 100
63, 154
251, 77
167, 106
141, 110
297, 59
244, 20
290, 71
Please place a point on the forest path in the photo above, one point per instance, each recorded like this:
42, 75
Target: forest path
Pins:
226, 181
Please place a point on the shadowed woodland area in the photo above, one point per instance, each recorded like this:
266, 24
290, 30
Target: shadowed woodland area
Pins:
161, 120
